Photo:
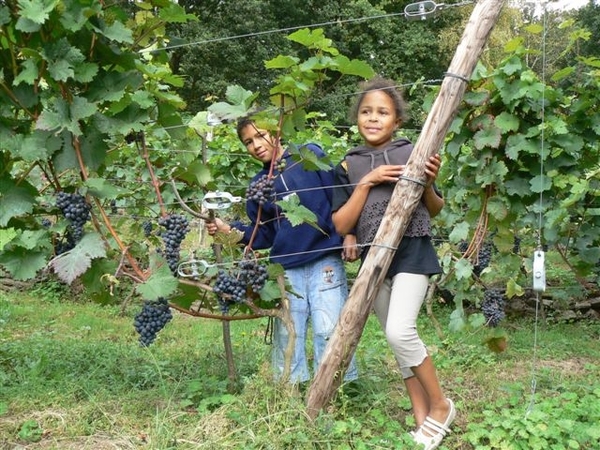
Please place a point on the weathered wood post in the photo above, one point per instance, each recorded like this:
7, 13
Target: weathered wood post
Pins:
403, 202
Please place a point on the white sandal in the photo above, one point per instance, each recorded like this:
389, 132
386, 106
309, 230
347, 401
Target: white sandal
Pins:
432, 432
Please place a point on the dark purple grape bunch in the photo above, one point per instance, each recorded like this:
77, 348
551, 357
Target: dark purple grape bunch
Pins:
147, 228
176, 228
151, 319
484, 256
76, 210
232, 287
254, 274
492, 307
261, 190
229, 289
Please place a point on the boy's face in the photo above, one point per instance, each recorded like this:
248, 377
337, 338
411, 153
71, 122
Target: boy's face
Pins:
259, 143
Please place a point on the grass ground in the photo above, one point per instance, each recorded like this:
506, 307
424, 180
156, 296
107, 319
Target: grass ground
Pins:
72, 376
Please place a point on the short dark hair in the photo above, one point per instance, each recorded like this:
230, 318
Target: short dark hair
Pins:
381, 84
243, 123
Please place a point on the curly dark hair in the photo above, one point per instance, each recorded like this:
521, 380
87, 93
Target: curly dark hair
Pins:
390, 88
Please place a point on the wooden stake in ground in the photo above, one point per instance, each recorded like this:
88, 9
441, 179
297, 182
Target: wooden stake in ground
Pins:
403, 202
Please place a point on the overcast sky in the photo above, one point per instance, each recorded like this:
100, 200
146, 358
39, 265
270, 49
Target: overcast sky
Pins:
568, 4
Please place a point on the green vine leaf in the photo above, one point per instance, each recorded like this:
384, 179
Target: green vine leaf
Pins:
507, 122
78, 260
282, 62
488, 137
355, 67
464, 269
540, 183
314, 40
29, 73
460, 232
15, 200
161, 282
100, 188
118, 32
22, 264
296, 213
457, 320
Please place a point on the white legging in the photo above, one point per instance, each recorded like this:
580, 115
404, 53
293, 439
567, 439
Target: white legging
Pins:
397, 306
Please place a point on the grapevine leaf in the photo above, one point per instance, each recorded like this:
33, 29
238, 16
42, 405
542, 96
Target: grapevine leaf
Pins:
226, 111
62, 58
85, 72
488, 137
76, 15
519, 142
296, 213
513, 289
173, 13
474, 98
497, 208
457, 320
111, 87
196, 172
15, 200
275, 270
310, 160
507, 122
99, 187
30, 239
27, 25
118, 32
540, 183
460, 232
93, 147
28, 74
282, 62
37, 11
56, 118
78, 260
94, 279
477, 320
143, 98
22, 265
185, 296
270, 291
161, 282
81, 108
240, 96
314, 39
464, 269
355, 67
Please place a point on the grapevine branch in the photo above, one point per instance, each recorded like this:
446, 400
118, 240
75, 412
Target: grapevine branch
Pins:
155, 182
186, 207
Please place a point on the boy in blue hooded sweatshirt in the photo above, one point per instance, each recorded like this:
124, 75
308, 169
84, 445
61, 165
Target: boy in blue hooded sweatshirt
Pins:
313, 258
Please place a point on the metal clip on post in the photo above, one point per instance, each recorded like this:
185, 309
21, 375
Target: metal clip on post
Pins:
219, 200
420, 10
191, 268
539, 271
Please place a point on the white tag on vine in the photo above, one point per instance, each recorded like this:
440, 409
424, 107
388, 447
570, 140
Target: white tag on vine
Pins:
539, 271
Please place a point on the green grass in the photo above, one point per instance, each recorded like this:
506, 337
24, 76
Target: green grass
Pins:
72, 376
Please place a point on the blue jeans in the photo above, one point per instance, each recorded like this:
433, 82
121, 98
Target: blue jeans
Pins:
319, 290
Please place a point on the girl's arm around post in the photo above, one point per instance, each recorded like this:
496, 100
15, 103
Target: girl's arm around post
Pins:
433, 202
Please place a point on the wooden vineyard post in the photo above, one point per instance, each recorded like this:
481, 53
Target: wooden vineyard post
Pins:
403, 202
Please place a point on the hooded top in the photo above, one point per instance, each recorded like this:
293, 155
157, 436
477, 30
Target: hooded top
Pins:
293, 246
360, 161
415, 253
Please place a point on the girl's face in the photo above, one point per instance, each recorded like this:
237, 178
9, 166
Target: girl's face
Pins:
259, 143
377, 119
